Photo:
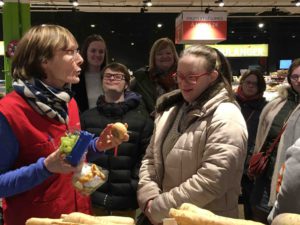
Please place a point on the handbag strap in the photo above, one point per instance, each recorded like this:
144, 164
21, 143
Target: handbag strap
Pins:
269, 151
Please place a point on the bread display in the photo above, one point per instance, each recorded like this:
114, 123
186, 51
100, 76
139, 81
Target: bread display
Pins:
287, 219
78, 218
189, 214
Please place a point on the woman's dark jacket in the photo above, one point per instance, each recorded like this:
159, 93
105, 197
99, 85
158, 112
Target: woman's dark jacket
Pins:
119, 192
251, 110
80, 94
152, 85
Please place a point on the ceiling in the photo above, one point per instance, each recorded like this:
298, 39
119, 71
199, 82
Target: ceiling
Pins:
233, 7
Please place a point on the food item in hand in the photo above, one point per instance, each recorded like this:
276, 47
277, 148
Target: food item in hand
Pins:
192, 208
47, 221
67, 143
119, 130
286, 219
42, 221
186, 217
77, 217
89, 178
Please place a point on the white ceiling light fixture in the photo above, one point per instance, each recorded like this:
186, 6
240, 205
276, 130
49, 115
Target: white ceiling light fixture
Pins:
74, 2
148, 3
220, 2
297, 2
1, 3
261, 25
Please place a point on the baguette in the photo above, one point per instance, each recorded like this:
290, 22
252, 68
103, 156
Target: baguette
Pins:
184, 217
47, 221
286, 219
78, 217
192, 208
117, 219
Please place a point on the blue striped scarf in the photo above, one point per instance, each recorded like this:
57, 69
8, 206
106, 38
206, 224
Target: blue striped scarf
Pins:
45, 99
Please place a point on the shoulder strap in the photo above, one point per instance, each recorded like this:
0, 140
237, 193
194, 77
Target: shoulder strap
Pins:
276, 140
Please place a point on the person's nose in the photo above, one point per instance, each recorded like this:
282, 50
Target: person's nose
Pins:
78, 59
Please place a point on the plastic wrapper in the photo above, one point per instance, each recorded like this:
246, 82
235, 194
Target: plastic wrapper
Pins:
74, 145
90, 178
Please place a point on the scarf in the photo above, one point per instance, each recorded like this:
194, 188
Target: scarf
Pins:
45, 99
164, 79
132, 101
243, 98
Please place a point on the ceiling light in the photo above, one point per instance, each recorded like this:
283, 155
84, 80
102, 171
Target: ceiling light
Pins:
74, 2
297, 2
159, 25
147, 3
220, 2
261, 25
1, 3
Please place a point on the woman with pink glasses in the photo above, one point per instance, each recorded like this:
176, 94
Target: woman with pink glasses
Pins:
198, 147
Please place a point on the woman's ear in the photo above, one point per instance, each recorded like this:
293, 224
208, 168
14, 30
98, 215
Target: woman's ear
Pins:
214, 75
44, 63
126, 86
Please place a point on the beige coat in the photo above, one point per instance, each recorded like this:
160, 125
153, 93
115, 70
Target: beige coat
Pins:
287, 139
205, 165
267, 116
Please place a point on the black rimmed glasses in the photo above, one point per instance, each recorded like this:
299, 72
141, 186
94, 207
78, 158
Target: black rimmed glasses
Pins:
190, 79
115, 76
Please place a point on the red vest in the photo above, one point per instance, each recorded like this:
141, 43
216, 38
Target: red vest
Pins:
38, 136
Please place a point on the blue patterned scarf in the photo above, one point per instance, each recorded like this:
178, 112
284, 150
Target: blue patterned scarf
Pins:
45, 99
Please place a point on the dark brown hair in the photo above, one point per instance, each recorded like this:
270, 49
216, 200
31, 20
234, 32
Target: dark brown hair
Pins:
119, 68
261, 83
84, 48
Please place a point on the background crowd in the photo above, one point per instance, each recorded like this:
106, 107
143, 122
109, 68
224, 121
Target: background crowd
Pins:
191, 136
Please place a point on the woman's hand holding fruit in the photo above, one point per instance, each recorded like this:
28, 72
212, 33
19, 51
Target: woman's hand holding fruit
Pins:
112, 136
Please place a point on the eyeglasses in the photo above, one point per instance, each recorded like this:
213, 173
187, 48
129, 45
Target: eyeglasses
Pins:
295, 77
71, 52
248, 83
191, 79
115, 76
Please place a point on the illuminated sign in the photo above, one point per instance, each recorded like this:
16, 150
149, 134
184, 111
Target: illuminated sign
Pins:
199, 27
243, 50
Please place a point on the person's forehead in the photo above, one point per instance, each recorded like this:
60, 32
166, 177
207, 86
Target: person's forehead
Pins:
251, 77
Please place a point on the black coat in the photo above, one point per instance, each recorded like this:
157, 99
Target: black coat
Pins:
80, 94
251, 111
119, 192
